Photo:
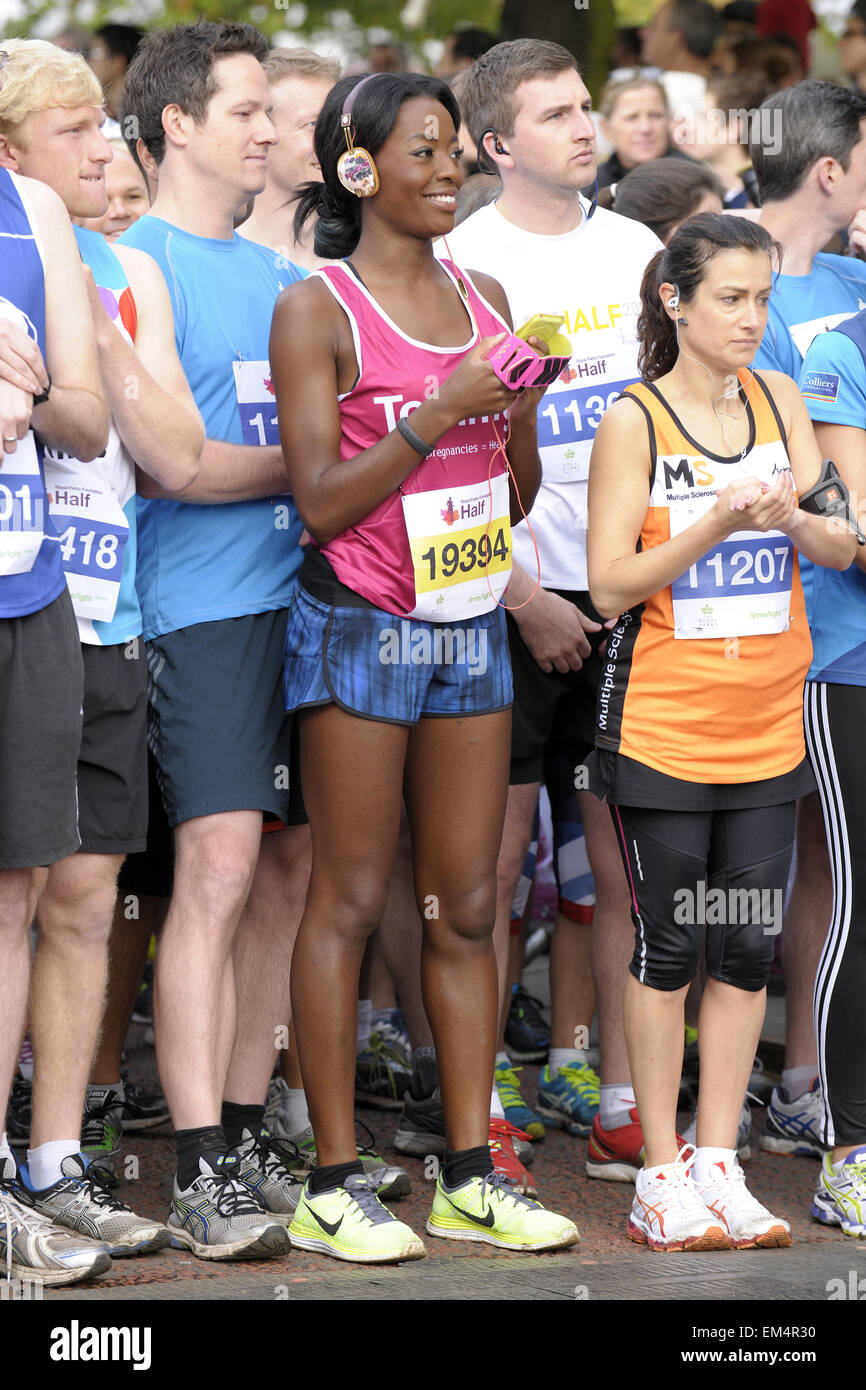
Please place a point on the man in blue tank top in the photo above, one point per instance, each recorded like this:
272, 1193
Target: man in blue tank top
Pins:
52, 113
813, 186
44, 311
215, 582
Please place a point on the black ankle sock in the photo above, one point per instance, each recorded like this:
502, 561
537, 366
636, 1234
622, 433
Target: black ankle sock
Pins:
193, 1144
321, 1179
462, 1164
237, 1118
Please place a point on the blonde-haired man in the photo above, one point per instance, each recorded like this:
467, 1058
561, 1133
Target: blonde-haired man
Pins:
299, 81
50, 130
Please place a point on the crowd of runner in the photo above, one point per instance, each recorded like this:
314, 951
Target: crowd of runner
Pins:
315, 623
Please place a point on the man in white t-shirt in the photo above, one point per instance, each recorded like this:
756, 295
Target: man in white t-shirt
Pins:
555, 253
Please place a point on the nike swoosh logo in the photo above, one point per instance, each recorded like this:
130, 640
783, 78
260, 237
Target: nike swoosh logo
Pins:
326, 1225
486, 1220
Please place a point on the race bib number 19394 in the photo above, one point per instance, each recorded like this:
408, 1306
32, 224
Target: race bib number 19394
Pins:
461, 548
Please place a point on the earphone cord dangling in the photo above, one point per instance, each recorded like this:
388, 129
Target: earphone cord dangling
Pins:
714, 400
500, 449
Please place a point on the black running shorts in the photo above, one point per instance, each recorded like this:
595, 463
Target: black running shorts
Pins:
41, 690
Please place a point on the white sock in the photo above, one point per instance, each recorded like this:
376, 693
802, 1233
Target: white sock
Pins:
796, 1081
705, 1158
43, 1163
502, 1059
560, 1057
294, 1112
614, 1106
365, 1019
5, 1150
496, 1111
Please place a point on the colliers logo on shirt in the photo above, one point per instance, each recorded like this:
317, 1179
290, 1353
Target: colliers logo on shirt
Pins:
820, 386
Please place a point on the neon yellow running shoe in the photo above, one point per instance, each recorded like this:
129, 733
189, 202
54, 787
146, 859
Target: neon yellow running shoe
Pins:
350, 1223
488, 1209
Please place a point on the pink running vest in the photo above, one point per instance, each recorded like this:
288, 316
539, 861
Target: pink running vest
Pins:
397, 373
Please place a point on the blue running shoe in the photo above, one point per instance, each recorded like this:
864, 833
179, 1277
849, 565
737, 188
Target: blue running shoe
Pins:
517, 1112
570, 1097
794, 1127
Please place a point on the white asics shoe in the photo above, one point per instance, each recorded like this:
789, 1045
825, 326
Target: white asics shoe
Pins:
668, 1214
747, 1223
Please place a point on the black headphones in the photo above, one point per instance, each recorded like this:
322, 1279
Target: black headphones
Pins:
485, 166
483, 160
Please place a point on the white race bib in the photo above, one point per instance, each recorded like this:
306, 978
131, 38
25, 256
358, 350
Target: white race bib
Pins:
93, 532
461, 548
740, 588
256, 402
22, 508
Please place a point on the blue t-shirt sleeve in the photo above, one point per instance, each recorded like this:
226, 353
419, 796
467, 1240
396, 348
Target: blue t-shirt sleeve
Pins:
833, 381
777, 352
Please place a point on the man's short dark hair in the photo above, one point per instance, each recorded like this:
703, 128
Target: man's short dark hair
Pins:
699, 23
816, 119
487, 100
121, 40
858, 11
471, 41
175, 67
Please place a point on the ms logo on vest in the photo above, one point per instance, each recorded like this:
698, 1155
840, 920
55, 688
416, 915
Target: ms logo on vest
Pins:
694, 473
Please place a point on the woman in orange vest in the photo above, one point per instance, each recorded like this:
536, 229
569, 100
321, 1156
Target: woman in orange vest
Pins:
693, 536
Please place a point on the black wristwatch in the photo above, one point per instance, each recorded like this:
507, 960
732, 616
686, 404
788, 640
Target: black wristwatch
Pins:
40, 400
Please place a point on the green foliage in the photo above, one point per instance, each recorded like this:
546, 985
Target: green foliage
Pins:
441, 16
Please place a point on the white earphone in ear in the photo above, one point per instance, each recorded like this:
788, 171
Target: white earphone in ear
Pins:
674, 302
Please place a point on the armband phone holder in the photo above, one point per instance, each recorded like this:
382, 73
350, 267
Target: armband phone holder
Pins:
830, 497
518, 365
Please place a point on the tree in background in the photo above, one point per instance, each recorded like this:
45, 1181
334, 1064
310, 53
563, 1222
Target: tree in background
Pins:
587, 30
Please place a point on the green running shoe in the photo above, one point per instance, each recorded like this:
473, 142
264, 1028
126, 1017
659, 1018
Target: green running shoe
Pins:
488, 1209
517, 1112
101, 1132
841, 1196
350, 1223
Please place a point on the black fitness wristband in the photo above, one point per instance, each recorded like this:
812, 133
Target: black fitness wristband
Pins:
412, 438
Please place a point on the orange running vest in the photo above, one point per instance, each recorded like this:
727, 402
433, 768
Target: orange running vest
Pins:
704, 680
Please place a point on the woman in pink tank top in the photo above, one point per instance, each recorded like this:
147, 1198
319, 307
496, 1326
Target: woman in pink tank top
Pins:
391, 419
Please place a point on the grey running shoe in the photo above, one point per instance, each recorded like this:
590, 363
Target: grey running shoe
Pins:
101, 1132
263, 1169
421, 1129
744, 1130
219, 1218
794, 1127
81, 1202
142, 1109
35, 1251
382, 1070
390, 1180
